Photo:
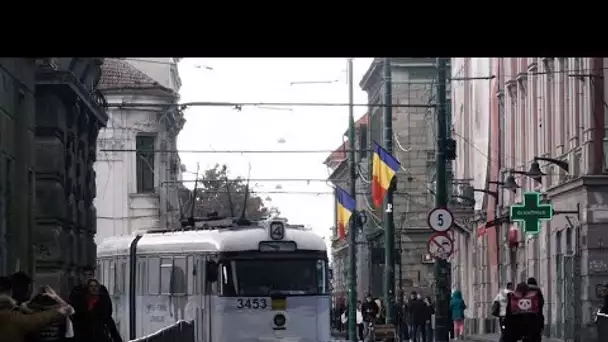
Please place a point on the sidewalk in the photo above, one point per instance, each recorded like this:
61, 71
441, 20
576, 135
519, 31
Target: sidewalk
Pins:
336, 333
496, 338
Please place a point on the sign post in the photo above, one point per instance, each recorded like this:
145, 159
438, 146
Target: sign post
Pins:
530, 212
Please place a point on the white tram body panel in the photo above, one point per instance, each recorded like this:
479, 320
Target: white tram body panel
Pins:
239, 283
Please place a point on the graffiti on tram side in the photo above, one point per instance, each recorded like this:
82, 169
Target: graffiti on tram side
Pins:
598, 265
157, 312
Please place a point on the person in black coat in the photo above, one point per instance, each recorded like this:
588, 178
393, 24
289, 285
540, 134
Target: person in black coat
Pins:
21, 286
429, 318
93, 320
418, 313
533, 286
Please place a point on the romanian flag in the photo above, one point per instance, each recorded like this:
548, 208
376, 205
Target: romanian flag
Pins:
384, 167
346, 207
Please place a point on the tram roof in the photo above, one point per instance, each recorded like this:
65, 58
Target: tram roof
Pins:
217, 240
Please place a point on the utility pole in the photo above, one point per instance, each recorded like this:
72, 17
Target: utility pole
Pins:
352, 231
389, 225
442, 266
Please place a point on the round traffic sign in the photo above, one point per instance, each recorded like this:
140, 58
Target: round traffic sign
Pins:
440, 246
440, 219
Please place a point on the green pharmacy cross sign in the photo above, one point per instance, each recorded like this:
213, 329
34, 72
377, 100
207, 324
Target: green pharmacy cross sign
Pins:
531, 212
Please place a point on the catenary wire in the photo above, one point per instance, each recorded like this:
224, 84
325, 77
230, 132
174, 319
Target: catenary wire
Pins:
144, 151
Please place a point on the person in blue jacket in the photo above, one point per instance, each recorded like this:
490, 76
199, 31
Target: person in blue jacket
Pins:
457, 307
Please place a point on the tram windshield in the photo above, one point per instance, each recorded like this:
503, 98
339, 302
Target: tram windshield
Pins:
266, 277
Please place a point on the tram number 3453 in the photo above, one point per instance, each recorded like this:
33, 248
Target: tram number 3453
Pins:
255, 304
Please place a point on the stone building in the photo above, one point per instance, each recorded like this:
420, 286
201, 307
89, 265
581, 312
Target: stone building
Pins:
17, 147
414, 146
51, 116
550, 108
138, 188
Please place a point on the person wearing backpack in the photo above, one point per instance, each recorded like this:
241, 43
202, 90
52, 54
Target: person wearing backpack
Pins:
499, 306
524, 310
533, 284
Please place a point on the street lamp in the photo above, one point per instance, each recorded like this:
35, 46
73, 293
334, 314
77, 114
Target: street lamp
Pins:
508, 184
535, 176
535, 170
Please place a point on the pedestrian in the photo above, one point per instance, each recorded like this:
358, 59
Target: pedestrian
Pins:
418, 315
369, 310
405, 332
358, 320
523, 315
16, 326
601, 317
457, 307
429, 320
46, 299
5, 286
533, 286
21, 287
93, 306
94, 323
604, 308
499, 306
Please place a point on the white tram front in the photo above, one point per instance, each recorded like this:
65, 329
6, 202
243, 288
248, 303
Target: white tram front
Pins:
266, 281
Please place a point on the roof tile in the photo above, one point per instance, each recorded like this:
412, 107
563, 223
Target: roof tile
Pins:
118, 74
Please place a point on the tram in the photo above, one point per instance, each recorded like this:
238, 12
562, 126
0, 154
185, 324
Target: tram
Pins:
238, 281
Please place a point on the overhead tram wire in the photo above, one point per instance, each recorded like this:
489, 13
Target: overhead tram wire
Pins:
289, 192
225, 151
259, 180
239, 105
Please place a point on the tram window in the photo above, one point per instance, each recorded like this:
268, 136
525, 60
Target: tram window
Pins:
123, 276
144, 276
191, 274
200, 276
179, 276
166, 268
105, 279
100, 270
141, 264
322, 281
112, 282
153, 275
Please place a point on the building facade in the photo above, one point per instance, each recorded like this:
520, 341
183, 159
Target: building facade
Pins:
138, 180
414, 146
51, 114
539, 107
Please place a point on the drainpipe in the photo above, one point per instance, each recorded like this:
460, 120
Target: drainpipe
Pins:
597, 110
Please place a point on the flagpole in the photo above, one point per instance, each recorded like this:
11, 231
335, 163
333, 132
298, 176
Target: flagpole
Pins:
389, 225
352, 230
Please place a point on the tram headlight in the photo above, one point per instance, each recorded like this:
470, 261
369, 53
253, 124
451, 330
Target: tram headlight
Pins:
279, 320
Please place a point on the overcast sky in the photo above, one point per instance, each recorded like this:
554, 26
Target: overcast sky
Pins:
301, 128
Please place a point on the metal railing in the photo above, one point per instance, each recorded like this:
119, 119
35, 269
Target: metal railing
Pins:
181, 331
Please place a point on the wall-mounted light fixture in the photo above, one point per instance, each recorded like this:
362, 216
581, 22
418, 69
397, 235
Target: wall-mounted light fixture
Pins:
508, 184
535, 171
